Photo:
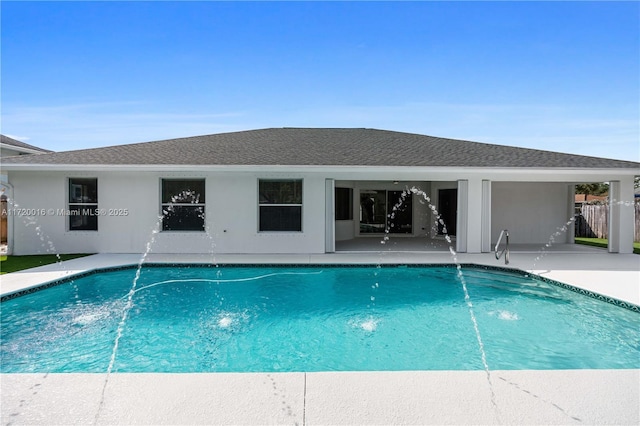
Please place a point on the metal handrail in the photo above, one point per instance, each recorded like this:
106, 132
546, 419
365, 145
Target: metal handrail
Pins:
506, 247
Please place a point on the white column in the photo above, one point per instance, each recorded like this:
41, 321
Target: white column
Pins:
621, 215
470, 220
486, 216
329, 216
474, 216
462, 216
571, 212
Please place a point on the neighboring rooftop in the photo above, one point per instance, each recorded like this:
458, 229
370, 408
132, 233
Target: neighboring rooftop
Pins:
322, 146
587, 198
20, 147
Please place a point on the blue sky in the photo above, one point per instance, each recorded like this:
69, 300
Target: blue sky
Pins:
561, 76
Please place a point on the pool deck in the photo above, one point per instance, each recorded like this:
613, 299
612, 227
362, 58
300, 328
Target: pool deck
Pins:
381, 398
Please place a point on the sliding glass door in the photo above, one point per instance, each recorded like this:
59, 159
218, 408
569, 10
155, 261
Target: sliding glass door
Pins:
402, 220
377, 214
373, 211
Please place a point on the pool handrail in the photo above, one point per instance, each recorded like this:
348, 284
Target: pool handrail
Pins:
503, 233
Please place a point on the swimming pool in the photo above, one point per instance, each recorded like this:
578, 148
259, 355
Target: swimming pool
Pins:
313, 318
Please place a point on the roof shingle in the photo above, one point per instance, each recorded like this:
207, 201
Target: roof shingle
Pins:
322, 146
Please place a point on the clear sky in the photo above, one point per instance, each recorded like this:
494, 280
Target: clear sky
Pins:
561, 76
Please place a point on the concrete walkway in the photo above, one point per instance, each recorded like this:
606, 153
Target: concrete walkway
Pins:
382, 398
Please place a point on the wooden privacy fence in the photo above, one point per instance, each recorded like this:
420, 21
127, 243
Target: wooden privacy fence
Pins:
593, 220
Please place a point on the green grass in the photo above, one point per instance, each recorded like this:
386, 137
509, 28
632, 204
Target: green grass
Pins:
601, 242
19, 263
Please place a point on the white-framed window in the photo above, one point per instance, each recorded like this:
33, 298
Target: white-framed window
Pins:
83, 204
183, 204
280, 205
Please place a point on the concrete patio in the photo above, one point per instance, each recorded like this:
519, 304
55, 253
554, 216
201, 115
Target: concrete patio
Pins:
408, 397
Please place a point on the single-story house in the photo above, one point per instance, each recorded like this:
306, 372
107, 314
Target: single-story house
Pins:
589, 198
10, 147
583, 199
302, 190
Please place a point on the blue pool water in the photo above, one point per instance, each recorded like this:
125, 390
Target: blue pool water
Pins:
204, 319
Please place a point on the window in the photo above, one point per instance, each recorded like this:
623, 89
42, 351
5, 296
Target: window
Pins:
183, 204
344, 204
83, 204
280, 204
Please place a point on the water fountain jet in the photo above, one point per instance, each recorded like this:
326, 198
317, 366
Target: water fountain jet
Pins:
440, 221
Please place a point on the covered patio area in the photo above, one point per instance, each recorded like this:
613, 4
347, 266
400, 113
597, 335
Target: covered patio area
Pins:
415, 214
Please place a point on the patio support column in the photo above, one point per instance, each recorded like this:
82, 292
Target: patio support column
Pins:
571, 213
471, 216
462, 216
486, 216
475, 212
329, 216
621, 215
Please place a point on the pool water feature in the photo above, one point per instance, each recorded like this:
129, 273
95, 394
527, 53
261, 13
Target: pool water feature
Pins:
312, 318
440, 224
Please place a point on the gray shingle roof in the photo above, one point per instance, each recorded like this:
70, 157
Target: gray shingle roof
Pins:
6, 140
322, 146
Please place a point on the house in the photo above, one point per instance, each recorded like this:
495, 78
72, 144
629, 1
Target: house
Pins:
588, 198
584, 199
10, 147
303, 190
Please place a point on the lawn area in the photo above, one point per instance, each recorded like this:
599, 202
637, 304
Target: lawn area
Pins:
18, 263
601, 242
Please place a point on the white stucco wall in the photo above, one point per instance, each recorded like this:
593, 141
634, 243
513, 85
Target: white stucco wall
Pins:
345, 230
231, 215
532, 212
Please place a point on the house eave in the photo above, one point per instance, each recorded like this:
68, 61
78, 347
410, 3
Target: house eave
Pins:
325, 169
21, 149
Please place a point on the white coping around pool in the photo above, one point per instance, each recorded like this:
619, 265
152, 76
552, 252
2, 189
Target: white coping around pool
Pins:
382, 398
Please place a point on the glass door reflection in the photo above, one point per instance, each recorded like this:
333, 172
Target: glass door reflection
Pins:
375, 207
